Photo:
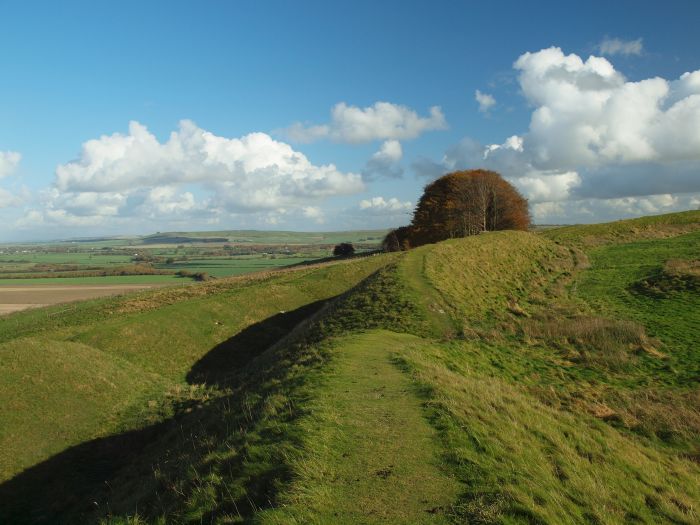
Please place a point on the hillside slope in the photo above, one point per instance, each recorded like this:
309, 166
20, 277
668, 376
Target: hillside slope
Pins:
504, 378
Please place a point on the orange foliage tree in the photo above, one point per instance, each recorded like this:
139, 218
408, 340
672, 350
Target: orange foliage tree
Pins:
462, 203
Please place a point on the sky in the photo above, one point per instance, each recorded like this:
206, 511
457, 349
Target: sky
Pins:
134, 117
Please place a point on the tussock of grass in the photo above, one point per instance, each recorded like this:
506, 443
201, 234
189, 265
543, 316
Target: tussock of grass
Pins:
677, 275
593, 341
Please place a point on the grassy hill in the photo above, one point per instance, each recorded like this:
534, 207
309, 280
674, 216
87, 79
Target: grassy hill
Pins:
505, 378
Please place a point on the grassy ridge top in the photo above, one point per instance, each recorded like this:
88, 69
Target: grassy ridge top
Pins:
651, 227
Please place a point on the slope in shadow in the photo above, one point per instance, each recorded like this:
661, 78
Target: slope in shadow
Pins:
222, 363
115, 475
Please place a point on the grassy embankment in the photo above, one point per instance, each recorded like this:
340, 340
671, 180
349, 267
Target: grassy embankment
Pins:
500, 377
140, 349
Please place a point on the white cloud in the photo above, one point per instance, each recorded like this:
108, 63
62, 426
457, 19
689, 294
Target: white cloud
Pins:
193, 172
542, 187
9, 160
593, 134
384, 163
617, 46
381, 206
314, 213
484, 100
382, 121
8, 199
602, 210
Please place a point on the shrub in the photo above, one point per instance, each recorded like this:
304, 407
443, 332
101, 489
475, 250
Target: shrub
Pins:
344, 249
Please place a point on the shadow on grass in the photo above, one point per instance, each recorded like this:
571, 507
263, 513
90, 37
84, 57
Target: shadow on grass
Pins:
225, 457
221, 365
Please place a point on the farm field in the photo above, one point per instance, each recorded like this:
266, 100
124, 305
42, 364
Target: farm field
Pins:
90, 268
508, 377
224, 253
14, 298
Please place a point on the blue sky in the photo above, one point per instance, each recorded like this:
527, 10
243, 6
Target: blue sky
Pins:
74, 72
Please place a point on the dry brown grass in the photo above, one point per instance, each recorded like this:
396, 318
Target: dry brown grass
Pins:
683, 268
593, 341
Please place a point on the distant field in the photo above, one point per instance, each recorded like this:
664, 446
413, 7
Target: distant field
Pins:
16, 298
226, 267
65, 258
114, 280
157, 258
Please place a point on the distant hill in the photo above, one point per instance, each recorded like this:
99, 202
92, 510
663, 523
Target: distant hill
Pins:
267, 237
509, 377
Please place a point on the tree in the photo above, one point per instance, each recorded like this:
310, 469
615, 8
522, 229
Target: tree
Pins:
398, 239
466, 203
391, 242
343, 249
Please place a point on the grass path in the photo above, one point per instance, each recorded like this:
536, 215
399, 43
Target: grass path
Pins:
370, 455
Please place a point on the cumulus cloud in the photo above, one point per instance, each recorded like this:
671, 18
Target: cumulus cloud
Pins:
617, 46
484, 100
385, 162
8, 162
314, 213
382, 206
8, 199
135, 174
382, 121
543, 187
593, 134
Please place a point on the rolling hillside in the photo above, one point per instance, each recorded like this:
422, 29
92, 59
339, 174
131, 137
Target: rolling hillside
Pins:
509, 377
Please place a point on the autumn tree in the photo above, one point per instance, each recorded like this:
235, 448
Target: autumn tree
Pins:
398, 239
465, 203
460, 204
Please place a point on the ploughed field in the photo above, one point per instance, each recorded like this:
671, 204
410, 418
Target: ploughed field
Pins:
509, 377
16, 298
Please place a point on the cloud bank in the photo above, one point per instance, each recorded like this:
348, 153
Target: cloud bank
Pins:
194, 174
593, 134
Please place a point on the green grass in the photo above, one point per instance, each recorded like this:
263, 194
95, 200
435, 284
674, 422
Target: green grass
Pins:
59, 393
368, 454
505, 378
609, 287
229, 266
162, 333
